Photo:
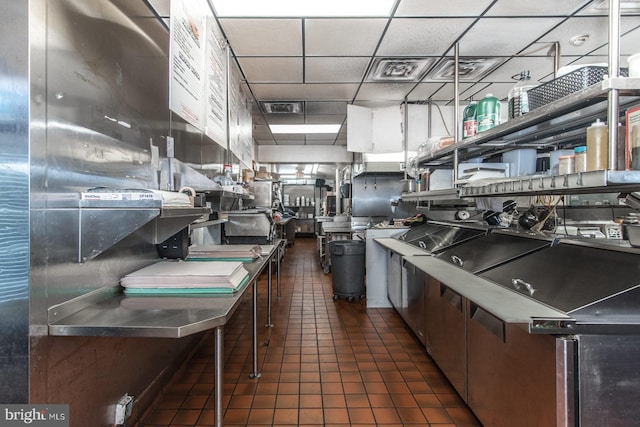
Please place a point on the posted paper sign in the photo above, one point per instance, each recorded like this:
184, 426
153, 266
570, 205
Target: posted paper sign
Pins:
186, 56
215, 84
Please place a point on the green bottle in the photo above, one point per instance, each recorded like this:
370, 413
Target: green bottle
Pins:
488, 113
469, 120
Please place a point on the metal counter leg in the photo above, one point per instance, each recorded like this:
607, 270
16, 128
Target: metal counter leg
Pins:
218, 387
281, 248
269, 281
255, 373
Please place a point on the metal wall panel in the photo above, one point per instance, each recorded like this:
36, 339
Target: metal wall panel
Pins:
99, 101
14, 208
377, 195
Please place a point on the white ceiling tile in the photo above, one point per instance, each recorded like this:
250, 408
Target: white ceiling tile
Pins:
318, 91
499, 90
325, 107
441, 8
320, 138
539, 66
435, 90
629, 41
384, 91
503, 36
273, 69
340, 69
264, 37
594, 26
284, 119
326, 37
535, 8
325, 118
290, 137
421, 37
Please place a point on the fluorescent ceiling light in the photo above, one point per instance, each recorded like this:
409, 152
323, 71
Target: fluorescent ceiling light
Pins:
302, 8
304, 128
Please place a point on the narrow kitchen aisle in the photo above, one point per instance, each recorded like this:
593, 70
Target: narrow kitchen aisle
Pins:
325, 362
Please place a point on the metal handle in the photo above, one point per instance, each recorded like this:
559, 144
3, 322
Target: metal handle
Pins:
490, 322
519, 284
450, 296
457, 260
422, 244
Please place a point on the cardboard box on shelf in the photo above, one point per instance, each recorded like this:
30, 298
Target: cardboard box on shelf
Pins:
632, 137
247, 175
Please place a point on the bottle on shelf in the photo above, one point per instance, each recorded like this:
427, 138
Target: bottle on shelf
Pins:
517, 99
488, 113
597, 146
469, 120
580, 154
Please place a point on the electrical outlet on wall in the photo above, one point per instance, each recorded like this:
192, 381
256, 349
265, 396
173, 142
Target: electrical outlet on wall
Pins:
123, 409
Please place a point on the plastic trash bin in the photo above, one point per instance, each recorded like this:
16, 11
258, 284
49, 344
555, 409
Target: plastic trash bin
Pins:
348, 268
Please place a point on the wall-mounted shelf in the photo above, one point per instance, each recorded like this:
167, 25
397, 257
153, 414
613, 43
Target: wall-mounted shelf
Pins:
577, 183
555, 123
102, 223
433, 195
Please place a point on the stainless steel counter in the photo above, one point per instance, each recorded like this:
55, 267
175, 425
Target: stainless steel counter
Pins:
503, 303
108, 312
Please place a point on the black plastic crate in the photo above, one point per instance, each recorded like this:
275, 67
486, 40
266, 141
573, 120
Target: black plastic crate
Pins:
566, 85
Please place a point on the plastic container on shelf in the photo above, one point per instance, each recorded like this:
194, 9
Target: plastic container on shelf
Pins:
469, 120
521, 162
518, 100
597, 146
580, 154
488, 113
554, 160
566, 164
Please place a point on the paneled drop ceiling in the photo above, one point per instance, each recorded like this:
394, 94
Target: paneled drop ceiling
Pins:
325, 62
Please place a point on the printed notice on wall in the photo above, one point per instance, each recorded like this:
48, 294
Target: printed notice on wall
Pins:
186, 56
215, 84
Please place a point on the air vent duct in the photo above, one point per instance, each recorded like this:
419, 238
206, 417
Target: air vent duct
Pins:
471, 69
282, 107
399, 69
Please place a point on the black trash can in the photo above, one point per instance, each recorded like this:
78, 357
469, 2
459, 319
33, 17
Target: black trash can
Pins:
347, 268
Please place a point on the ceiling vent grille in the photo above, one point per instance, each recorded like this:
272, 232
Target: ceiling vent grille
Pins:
399, 69
471, 69
282, 107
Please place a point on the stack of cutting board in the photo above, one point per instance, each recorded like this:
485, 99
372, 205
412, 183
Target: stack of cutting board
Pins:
245, 253
179, 277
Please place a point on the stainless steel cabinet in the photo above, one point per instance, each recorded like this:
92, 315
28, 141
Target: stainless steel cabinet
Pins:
394, 279
413, 296
511, 373
446, 332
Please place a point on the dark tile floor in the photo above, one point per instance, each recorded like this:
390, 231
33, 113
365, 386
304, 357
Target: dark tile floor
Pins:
325, 362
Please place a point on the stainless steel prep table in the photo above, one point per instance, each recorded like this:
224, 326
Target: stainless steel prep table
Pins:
104, 312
